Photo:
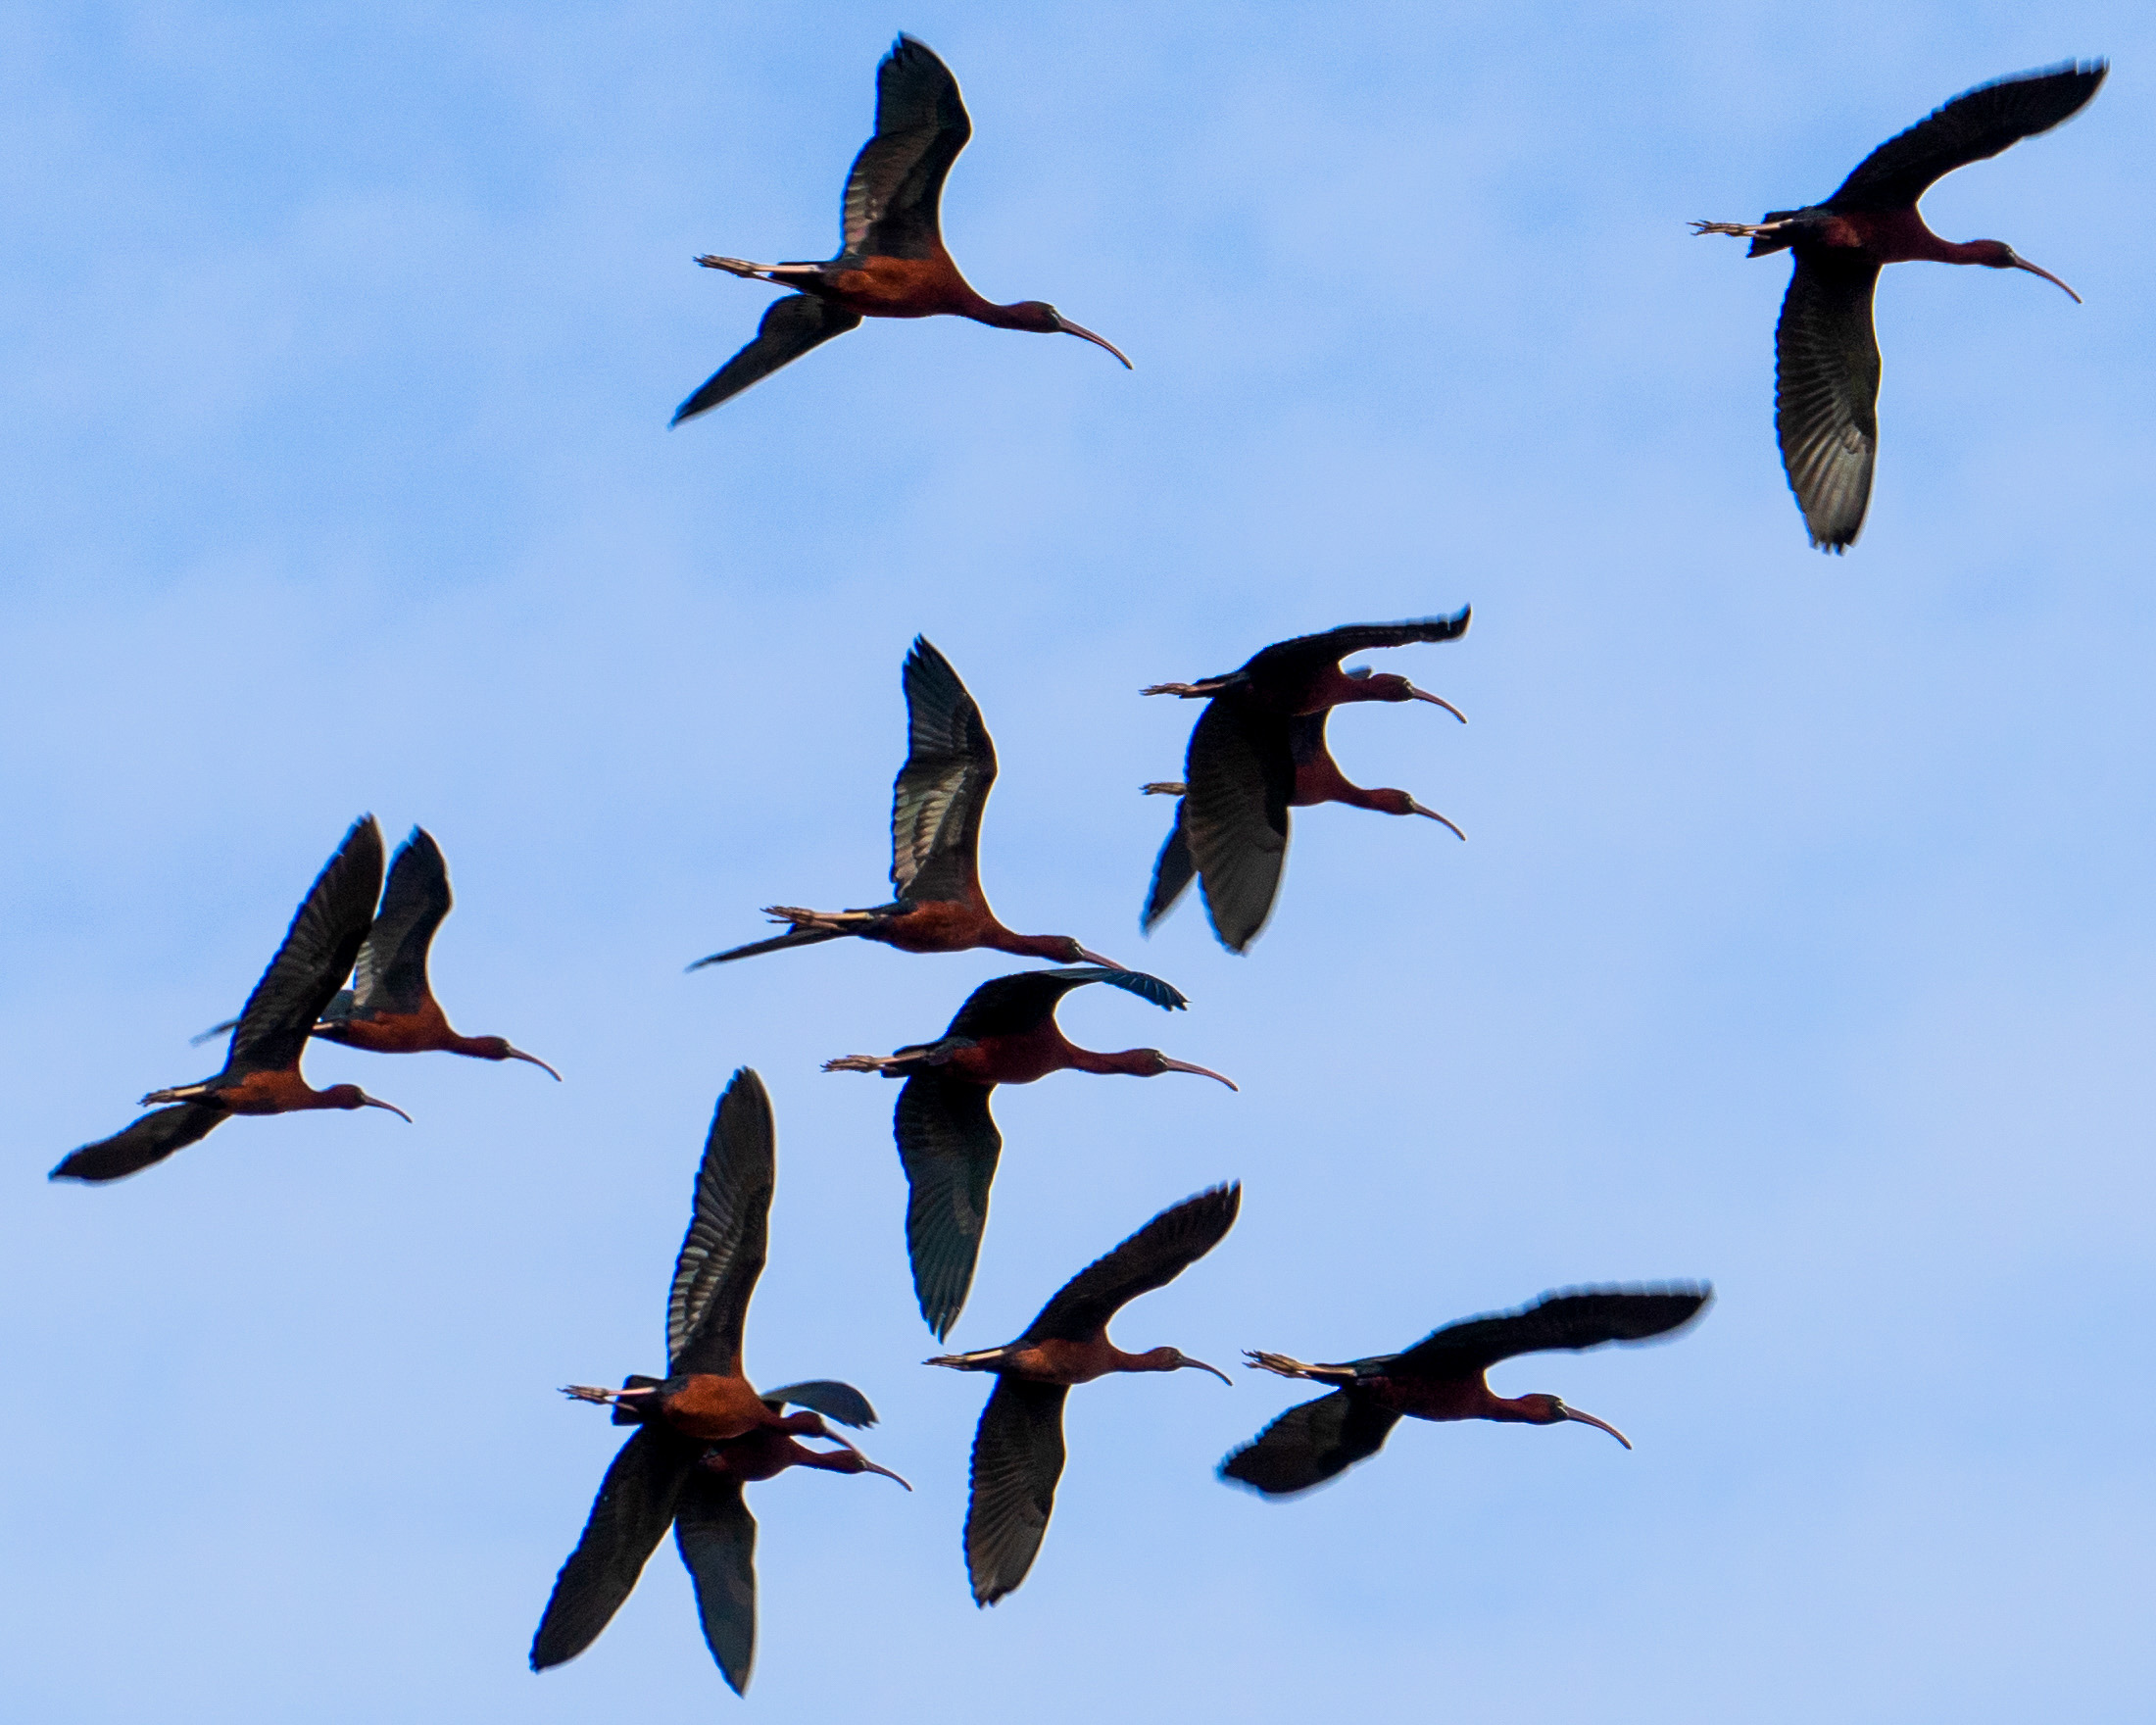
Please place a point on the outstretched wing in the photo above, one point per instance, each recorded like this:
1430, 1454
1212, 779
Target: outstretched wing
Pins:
1172, 873
1018, 1458
1152, 1257
151, 1139
1825, 393
1308, 1444
1976, 124
390, 975
716, 1537
949, 1144
1239, 775
1010, 1006
628, 1518
790, 328
1571, 1320
318, 954
1297, 658
827, 1396
723, 1253
937, 800
895, 185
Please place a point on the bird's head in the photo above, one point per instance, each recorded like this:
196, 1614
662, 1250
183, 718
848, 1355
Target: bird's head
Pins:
351, 1096
497, 1048
1175, 1359
1043, 318
1387, 801
1151, 1062
1551, 1411
1996, 253
1376, 685
1065, 950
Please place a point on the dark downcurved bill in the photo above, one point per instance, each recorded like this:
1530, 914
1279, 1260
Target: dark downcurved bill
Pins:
1202, 1071
1434, 815
1201, 1365
373, 1102
1093, 957
1084, 334
518, 1054
1600, 1426
1441, 701
2021, 262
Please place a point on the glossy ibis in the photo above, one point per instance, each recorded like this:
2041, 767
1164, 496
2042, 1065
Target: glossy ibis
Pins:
1248, 761
702, 1430
1005, 1033
936, 806
262, 1065
390, 1007
1826, 353
1441, 1377
1317, 779
891, 262
1018, 1448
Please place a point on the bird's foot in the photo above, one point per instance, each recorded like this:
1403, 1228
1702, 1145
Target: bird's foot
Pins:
1277, 1362
1188, 691
735, 266
836, 922
1739, 229
1162, 788
981, 1362
590, 1393
179, 1093
861, 1063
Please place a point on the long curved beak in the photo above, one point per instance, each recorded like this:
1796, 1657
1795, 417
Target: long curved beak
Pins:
1203, 1073
376, 1101
2021, 262
518, 1054
1441, 701
867, 1466
1600, 1426
1093, 958
1201, 1365
1434, 815
1083, 334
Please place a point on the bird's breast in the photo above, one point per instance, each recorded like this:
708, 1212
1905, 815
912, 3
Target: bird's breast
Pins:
715, 1408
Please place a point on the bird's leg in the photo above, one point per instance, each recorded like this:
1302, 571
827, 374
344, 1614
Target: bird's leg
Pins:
1188, 691
865, 1063
984, 1360
1162, 788
780, 272
590, 1393
837, 921
179, 1093
1294, 1369
1740, 229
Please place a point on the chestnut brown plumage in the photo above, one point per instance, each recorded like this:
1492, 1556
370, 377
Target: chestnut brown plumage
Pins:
1826, 351
1442, 1377
891, 261
1018, 1445
262, 1063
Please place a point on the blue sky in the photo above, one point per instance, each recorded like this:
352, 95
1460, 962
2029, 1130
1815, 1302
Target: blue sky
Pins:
1802, 940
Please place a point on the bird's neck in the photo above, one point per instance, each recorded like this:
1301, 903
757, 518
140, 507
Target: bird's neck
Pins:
1130, 1063
1053, 946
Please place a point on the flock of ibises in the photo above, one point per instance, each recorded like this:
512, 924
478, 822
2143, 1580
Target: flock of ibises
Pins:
352, 965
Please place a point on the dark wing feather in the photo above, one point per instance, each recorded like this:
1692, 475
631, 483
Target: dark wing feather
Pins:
390, 975
1309, 1444
1570, 1319
1825, 393
1011, 1006
318, 954
895, 184
949, 1145
790, 328
716, 1537
937, 800
827, 1396
1018, 1458
1152, 1257
723, 1254
151, 1139
1975, 124
1172, 873
1297, 659
628, 1518
1239, 776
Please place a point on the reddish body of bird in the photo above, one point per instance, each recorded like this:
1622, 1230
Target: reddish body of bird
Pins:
1257, 749
703, 1430
1827, 365
936, 803
1442, 1378
262, 1065
390, 1007
892, 262
1018, 1445
1005, 1033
